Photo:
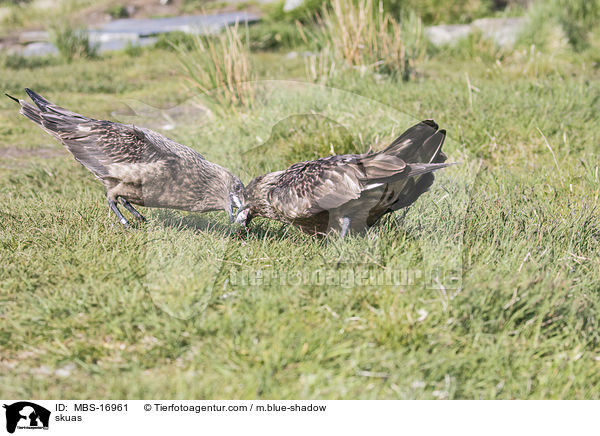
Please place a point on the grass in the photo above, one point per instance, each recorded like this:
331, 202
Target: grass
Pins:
359, 36
432, 11
72, 43
562, 22
498, 288
117, 11
220, 66
37, 14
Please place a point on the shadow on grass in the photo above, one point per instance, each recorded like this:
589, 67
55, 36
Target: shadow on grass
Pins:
193, 222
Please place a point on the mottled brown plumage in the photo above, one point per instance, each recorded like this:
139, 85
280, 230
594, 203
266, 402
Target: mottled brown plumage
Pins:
349, 192
137, 165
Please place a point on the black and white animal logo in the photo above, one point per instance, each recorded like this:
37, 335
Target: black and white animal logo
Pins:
26, 415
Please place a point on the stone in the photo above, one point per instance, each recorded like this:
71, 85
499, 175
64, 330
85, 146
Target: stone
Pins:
290, 5
503, 31
447, 34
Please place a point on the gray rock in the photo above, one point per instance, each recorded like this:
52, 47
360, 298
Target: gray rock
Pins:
39, 49
120, 44
290, 5
447, 34
503, 31
204, 24
33, 36
118, 34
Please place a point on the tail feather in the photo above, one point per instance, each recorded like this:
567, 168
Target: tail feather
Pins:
32, 113
431, 151
52, 118
420, 143
46, 115
417, 133
415, 170
39, 101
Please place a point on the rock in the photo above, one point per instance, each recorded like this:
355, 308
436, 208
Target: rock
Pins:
39, 49
4, 12
33, 36
189, 24
290, 5
120, 44
44, 4
118, 34
447, 34
503, 31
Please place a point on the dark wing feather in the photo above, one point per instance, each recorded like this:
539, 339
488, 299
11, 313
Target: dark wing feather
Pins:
380, 167
421, 143
307, 188
312, 187
415, 187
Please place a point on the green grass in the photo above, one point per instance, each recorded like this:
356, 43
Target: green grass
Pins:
18, 15
72, 43
561, 22
177, 309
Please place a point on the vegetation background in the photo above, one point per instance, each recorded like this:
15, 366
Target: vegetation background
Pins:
88, 309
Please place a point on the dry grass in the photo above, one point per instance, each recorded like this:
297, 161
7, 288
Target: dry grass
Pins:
320, 67
220, 67
364, 37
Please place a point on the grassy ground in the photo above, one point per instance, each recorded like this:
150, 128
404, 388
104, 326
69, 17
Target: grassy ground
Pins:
496, 292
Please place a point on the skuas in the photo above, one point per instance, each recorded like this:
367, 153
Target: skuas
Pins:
137, 165
352, 191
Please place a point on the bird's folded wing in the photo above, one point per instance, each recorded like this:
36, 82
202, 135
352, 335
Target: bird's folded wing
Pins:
327, 184
380, 168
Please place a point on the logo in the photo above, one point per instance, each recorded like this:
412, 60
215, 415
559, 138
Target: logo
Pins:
26, 415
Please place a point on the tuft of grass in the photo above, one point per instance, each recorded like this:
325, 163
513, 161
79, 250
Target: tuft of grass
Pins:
15, 61
307, 12
175, 41
320, 67
441, 11
118, 11
363, 37
220, 66
475, 46
133, 50
431, 11
273, 35
554, 23
72, 43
